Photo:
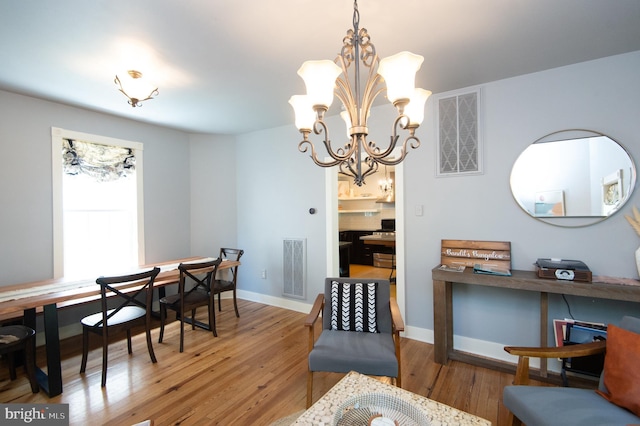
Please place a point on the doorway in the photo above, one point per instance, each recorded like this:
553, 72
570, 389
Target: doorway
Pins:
333, 230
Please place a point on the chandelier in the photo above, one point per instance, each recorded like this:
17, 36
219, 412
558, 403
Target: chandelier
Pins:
386, 184
136, 89
324, 79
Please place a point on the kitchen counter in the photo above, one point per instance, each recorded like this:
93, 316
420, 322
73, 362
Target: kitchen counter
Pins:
381, 240
378, 238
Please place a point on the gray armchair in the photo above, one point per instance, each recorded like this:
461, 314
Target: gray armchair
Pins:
361, 327
541, 405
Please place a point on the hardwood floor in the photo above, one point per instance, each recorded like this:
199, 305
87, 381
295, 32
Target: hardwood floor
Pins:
365, 271
253, 373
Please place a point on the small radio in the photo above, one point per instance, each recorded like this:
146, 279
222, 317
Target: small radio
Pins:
563, 269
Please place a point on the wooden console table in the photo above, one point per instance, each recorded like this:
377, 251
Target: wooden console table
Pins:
520, 280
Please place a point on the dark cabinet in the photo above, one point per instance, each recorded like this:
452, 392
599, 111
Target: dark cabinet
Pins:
345, 258
360, 253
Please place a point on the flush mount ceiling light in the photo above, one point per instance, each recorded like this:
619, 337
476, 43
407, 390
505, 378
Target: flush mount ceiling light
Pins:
135, 88
324, 79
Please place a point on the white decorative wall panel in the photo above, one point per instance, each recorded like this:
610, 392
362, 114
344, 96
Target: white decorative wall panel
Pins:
459, 141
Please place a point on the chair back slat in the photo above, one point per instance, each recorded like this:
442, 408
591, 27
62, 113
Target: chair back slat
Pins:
109, 290
192, 270
232, 254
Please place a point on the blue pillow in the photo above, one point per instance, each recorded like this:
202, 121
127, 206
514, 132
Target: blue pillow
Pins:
353, 306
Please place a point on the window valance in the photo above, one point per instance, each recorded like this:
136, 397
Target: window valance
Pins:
103, 163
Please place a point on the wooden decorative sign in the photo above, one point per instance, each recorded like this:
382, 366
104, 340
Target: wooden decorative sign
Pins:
492, 254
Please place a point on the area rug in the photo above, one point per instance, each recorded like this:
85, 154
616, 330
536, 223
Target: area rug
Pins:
287, 421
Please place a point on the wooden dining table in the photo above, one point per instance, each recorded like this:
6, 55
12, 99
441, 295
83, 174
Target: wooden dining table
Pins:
25, 301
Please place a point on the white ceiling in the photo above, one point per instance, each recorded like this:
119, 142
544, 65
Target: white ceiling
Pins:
228, 66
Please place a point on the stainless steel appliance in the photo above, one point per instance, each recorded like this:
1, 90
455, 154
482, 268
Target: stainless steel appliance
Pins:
387, 225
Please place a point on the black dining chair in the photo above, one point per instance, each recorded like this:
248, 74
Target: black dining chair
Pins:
222, 285
199, 275
16, 339
122, 292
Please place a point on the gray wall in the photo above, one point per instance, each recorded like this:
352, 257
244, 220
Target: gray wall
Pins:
186, 178
25, 183
600, 95
25, 188
253, 190
213, 193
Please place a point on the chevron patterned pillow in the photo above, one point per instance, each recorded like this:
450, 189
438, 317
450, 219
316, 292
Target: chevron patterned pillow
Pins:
353, 306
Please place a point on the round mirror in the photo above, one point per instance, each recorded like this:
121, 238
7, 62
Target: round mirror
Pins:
573, 178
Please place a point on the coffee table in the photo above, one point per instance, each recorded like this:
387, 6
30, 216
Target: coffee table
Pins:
322, 412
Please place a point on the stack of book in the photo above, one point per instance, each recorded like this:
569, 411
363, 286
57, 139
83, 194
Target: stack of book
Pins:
572, 332
491, 270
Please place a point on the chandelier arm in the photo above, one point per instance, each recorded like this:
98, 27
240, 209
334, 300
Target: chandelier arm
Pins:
314, 156
358, 177
137, 103
342, 154
346, 164
373, 167
347, 170
374, 151
349, 167
403, 152
339, 156
153, 93
369, 161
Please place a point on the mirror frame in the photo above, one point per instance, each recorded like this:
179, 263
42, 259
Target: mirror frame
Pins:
575, 221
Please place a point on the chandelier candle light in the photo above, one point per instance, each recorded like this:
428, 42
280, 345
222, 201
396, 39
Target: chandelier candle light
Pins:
134, 88
325, 78
386, 184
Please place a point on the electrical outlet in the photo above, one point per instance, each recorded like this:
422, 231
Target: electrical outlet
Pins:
263, 274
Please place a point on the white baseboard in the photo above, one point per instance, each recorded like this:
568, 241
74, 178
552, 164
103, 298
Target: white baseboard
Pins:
280, 302
419, 334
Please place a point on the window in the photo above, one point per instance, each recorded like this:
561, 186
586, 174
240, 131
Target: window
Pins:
97, 209
459, 136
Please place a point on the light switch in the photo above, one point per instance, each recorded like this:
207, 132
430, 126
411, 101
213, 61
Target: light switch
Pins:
419, 210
